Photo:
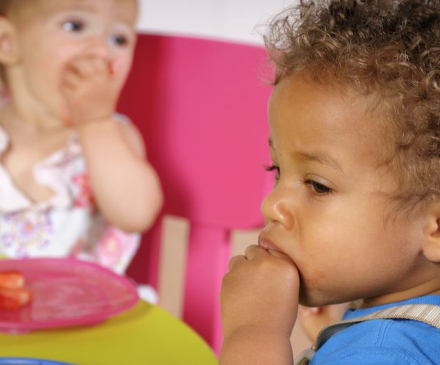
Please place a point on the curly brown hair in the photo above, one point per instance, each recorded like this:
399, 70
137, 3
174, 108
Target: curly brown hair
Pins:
388, 47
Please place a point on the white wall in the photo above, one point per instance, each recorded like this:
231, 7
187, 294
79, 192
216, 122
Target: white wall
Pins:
221, 19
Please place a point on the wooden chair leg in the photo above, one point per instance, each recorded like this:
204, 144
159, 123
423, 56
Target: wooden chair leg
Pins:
172, 267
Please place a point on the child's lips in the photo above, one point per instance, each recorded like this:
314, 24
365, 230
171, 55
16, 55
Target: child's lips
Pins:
266, 243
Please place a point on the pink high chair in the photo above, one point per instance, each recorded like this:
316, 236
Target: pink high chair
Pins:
201, 106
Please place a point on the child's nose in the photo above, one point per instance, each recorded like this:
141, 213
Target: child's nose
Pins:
98, 46
277, 207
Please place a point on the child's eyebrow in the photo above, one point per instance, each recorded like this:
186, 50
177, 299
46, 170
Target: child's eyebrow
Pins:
85, 5
321, 158
78, 5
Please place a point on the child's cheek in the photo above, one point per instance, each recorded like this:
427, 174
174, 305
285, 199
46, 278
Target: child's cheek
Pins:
116, 64
120, 68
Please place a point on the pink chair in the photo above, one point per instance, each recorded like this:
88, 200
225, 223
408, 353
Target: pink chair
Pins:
201, 106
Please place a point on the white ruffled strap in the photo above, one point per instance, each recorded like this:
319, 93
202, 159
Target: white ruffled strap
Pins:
52, 172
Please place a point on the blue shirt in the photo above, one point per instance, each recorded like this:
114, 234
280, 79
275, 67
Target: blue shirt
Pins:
383, 341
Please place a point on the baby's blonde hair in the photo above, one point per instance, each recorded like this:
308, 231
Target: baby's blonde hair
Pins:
5, 5
388, 47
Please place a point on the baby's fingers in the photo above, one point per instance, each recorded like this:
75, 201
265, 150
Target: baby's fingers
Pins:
80, 67
235, 261
101, 65
279, 255
255, 251
71, 80
89, 66
251, 253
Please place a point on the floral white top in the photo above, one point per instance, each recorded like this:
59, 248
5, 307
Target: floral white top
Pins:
66, 225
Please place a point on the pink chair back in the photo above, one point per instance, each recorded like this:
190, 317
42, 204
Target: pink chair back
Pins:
201, 107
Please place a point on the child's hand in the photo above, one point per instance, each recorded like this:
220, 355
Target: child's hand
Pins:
313, 320
260, 290
89, 90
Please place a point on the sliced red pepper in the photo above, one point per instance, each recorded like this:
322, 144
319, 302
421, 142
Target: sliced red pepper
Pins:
11, 279
14, 298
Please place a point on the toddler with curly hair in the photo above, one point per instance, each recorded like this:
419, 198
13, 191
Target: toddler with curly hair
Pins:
354, 215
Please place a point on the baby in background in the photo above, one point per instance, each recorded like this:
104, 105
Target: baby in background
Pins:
354, 214
74, 180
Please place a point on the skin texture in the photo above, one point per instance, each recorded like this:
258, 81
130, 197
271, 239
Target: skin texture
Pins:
328, 219
314, 319
65, 63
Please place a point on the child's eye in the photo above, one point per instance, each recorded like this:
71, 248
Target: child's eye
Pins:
275, 168
119, 40
73, 26
318, 188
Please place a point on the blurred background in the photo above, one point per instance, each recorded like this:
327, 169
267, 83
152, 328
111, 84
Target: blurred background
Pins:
233, 20
176, 82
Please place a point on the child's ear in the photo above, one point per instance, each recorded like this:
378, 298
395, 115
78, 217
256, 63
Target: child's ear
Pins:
9, 54
431, 242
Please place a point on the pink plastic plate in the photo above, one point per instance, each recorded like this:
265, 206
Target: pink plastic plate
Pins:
66, 292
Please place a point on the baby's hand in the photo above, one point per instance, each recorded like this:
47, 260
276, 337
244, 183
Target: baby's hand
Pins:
89, 90
260, 290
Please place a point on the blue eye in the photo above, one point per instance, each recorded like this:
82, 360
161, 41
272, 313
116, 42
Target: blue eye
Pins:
318, 188
73, 26
119, 40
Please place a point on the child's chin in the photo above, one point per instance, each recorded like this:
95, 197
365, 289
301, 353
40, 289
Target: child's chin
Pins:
310, 299
307, 300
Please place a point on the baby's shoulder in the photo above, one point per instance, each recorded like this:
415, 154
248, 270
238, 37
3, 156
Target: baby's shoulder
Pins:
382, 341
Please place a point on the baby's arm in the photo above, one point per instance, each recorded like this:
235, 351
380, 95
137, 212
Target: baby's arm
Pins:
126, 188
259, 302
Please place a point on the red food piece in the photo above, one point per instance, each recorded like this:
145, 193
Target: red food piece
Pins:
11, 279
14, 298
